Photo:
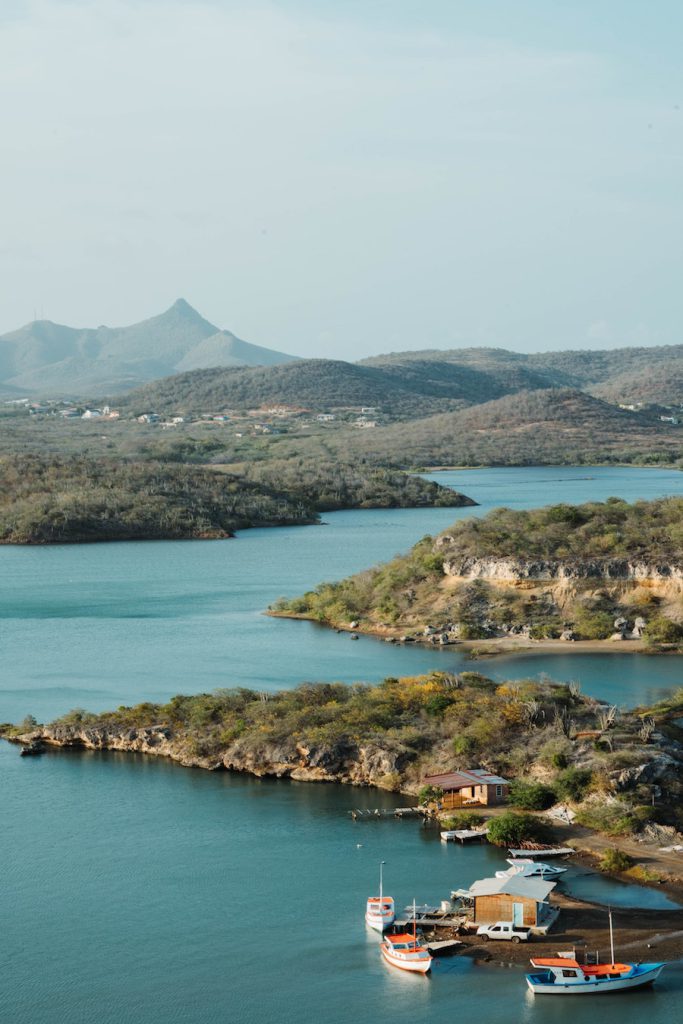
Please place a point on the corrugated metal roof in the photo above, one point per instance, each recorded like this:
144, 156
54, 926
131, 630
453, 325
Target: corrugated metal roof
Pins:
471, 777
513, 885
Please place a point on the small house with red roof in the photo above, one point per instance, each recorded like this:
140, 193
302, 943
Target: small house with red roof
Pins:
473, 788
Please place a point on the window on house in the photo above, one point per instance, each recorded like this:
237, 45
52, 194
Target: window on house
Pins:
499, 790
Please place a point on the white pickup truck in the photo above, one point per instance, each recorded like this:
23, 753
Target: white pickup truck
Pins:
504, 930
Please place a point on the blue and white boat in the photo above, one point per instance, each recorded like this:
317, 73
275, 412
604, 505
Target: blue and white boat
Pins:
565, 976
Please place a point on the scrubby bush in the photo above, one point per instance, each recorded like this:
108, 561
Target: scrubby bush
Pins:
573, 783
612, 819
463, 819
531, 796
614, 860
660, 631
429, 794
512, 829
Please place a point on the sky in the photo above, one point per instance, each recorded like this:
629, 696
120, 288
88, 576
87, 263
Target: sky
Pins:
347, 178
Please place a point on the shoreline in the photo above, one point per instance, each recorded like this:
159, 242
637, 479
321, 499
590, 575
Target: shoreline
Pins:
488, 648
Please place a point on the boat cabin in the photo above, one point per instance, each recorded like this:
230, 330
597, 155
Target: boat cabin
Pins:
472, 788
515, 898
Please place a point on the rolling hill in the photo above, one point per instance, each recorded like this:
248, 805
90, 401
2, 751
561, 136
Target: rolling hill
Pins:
550, 426
399, 391
644, 374
46, 358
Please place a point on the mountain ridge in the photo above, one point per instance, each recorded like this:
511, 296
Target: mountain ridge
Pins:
43, 356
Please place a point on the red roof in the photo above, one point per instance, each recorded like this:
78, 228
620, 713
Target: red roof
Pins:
461, 780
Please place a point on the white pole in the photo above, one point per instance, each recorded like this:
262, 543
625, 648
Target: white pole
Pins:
611, 936
380, 885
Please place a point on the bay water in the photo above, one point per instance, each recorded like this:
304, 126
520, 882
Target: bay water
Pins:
136, 890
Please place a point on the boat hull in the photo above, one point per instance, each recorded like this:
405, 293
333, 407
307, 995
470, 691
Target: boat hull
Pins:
415, 966
595, 986
379, 924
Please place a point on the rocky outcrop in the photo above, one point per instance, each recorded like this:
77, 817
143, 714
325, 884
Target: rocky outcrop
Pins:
658, 770
523, 569
366, 764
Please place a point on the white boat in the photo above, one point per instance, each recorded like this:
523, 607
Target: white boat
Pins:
565, 976
528, 868
405, 951
379, 910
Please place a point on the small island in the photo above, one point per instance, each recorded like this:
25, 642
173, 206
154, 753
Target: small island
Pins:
593, 573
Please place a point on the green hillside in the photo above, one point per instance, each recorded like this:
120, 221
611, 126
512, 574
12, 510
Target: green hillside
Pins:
68, 500
523, 573
556, 426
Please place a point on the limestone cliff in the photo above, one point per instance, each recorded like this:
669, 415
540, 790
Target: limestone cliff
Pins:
364, 764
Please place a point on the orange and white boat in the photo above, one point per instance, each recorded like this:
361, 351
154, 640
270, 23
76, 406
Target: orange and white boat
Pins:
405, 951
564, 975
379, 910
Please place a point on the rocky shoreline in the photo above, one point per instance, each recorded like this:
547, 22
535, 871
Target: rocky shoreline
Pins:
344, 762
489, 646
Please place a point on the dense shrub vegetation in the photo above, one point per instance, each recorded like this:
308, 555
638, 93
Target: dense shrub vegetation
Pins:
52, 500
540, 735
594, 543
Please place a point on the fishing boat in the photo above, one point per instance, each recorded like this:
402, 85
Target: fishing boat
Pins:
405, 951
564, 975
528, 868
379, 910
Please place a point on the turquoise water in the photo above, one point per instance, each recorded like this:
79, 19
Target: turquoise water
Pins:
138, 891
96, 626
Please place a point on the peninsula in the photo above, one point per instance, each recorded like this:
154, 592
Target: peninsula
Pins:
595, 572
71, 499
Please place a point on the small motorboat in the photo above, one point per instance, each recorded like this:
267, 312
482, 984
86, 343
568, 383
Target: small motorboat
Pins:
564, 975
405, 951
528, 868
379, 910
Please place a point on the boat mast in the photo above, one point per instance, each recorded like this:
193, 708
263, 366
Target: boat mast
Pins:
611, 935
381, 865
414, 921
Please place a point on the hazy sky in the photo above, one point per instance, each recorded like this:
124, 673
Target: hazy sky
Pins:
342, 178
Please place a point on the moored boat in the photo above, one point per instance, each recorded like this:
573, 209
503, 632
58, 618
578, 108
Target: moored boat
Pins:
564, 975
379, 910
529, 868
561, 976
405, 951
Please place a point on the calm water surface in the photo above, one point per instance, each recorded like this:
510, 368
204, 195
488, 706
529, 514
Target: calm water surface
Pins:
96, 626
136, 891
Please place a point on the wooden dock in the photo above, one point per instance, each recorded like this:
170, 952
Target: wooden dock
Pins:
431, 917
373, 814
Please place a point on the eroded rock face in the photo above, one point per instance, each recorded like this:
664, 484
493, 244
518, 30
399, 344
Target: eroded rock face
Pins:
659, 769
360, 765
522, 569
